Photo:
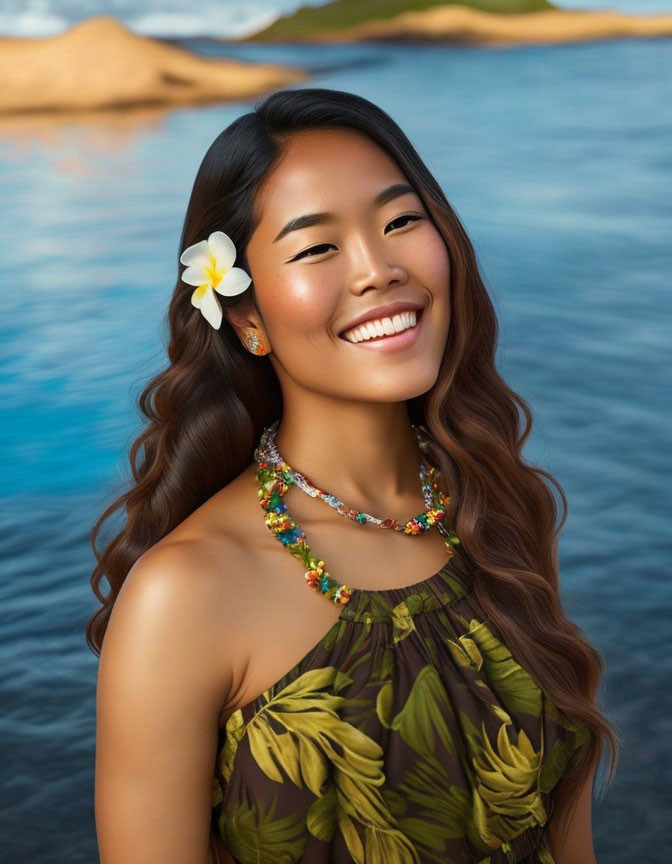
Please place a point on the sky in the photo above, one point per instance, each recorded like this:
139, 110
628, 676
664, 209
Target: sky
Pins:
215, 17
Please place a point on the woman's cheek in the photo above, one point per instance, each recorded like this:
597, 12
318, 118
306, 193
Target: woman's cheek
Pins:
435, 266
306, 305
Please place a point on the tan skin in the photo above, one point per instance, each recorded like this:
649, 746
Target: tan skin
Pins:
218, 611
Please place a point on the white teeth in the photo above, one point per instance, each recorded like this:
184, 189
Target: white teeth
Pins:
381, 327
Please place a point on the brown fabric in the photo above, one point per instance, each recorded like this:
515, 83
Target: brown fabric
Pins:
409, 733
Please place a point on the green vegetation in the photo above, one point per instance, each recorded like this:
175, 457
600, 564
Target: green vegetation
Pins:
346, 13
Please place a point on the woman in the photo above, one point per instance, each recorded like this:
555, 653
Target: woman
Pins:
420, 695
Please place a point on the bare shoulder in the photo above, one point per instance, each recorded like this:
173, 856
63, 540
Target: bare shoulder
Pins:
188, 596
162, 629
170, 662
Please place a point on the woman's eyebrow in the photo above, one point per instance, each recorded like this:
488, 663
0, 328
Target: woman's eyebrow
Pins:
309, 219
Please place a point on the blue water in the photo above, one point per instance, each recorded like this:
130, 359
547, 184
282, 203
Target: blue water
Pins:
558, 161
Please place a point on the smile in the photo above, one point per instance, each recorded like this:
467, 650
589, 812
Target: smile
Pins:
388, 333
379, 328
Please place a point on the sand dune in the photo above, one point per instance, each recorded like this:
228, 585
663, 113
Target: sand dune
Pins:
464, 24
100, 63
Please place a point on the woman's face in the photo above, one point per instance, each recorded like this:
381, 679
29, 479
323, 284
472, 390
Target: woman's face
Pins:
327, 256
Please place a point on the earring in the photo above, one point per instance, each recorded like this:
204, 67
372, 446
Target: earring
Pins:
253, 344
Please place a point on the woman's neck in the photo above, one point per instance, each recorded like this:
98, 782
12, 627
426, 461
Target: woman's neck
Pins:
362, 453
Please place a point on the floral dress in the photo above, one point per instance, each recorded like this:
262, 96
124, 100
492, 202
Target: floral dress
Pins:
408, 734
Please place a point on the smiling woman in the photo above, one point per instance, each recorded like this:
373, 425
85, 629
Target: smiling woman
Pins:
369, 252
330, 331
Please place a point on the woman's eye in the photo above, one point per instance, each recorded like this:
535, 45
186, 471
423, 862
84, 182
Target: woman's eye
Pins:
316, 250
409, 216
311, 250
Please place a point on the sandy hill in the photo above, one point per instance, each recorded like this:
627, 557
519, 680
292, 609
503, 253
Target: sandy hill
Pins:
100, 63
341, 14
340, 21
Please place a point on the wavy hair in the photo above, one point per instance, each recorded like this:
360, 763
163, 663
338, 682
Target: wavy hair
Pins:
206, 410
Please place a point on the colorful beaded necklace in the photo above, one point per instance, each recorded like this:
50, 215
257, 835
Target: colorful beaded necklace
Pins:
267, 451
274, 482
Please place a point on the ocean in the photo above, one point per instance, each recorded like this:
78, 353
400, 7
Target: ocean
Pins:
558, 161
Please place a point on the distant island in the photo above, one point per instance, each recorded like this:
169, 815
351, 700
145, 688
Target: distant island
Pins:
486, 22
100, 64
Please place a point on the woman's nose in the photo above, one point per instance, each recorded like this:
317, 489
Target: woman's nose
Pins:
372, 266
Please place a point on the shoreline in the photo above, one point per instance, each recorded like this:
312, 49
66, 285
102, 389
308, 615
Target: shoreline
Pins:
465, 25
100, 64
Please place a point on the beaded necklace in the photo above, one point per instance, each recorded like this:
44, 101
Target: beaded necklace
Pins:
267, 451
274, 482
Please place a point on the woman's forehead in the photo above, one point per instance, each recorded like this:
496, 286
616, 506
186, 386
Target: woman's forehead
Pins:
322, 170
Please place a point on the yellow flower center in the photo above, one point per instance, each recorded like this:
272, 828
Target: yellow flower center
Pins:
214, 275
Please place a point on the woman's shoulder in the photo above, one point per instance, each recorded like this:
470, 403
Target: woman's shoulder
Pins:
193, 588
204, 549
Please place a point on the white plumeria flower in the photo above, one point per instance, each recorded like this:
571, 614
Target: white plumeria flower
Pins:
210, 268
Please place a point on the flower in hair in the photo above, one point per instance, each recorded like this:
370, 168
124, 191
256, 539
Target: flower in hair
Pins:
210, 268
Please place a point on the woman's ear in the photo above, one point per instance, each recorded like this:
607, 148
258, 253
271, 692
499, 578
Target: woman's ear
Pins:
246, 321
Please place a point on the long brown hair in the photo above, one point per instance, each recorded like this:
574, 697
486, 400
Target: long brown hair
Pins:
205, 412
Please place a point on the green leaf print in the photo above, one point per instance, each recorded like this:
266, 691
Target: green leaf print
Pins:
545, 856
506, 797
465, 653
300, 732
216, 795
422, 720
561, 752
441, 809
402, 618
309, 716
554, 767
385, 704
235, 729
582, 732
381, 843
514, 686
254, 837
321, 820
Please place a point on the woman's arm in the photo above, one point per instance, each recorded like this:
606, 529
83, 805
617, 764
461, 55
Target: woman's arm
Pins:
158, 699
572, 841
